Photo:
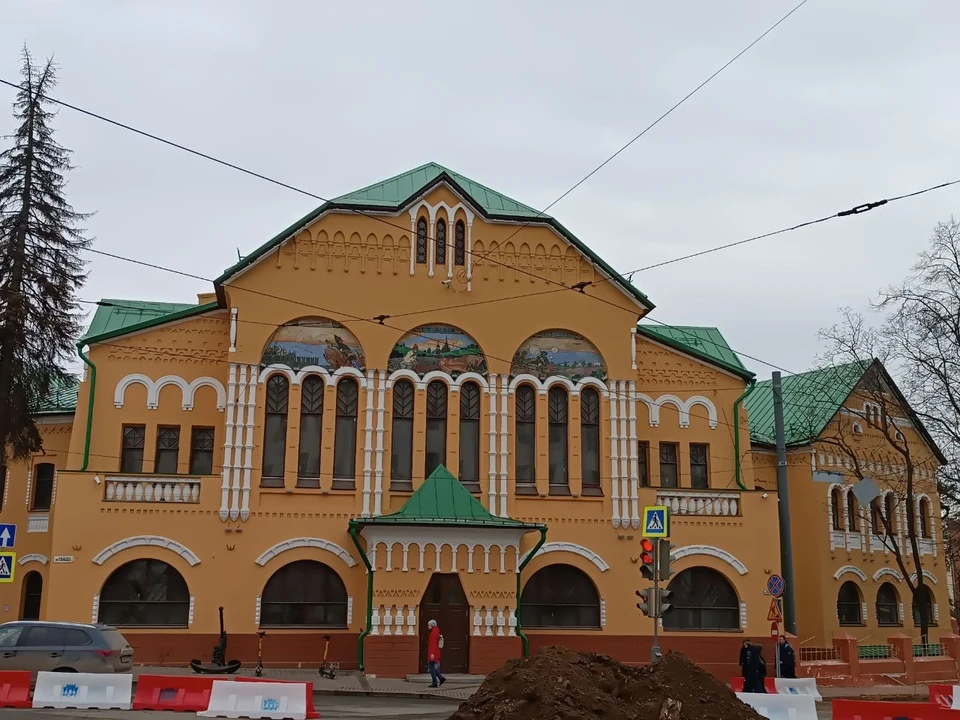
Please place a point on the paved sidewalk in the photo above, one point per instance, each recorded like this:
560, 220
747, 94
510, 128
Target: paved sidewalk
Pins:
348, 682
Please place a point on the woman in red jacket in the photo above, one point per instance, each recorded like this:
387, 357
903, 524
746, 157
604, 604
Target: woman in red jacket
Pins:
434, 646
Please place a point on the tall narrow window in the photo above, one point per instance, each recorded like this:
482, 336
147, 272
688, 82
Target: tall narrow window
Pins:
669, 475
436, 451
470, 436
168, 450
558, 408
643, 455
275, 432
131, 454
890, 511
526, 440
460, 244
311, 427
441, 257
925, 518
422, 241
345, 440
201, 451
401, 437
699, 466
43, 475
836, 507
853, 512
590, 441
876, 520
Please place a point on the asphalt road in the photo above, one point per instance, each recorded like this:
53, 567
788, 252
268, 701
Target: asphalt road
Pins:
331, 707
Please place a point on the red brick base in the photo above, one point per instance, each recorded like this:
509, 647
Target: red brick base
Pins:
489, 653
392, 656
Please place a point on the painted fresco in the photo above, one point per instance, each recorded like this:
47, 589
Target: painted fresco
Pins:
559, 352
319, 342
438, 347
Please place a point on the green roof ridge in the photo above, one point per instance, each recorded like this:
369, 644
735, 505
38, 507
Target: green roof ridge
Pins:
115, 318
705, 343
810, 401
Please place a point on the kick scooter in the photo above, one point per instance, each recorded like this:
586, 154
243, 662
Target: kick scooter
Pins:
259, 669
328, 669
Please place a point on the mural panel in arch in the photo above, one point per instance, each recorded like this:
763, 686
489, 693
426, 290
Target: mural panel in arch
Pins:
321, 342
437, 347
559, 352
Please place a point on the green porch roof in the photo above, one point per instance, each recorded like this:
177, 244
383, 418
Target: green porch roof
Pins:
61, 400
810, 401
443, 501
119, 317
395, 193
705, 343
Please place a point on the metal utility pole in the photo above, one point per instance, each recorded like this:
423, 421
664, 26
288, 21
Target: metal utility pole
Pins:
655, 653
786, 542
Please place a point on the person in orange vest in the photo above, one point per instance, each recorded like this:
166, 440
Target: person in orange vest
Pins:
434, 646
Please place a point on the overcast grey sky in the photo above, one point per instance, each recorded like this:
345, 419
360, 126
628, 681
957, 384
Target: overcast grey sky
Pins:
848, 101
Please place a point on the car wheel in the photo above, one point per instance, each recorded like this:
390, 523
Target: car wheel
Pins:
64, 670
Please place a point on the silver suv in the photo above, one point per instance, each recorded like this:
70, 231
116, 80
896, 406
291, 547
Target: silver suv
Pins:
63, 647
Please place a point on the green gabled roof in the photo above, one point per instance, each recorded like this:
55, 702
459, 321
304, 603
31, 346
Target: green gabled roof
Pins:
443, 501
114, 318
62, 398
810, 401
397, 192
705, 343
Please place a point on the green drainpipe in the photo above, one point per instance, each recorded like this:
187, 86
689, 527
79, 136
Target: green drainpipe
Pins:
363, 556
93, 387
736, 431
530, 556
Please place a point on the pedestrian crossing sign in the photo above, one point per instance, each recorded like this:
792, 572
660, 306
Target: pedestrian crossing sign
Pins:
656, 522
8, 562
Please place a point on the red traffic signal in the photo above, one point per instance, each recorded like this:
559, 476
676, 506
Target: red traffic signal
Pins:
647, 558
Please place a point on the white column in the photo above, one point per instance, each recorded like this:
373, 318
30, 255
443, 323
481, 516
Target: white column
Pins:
500, 622
492, 452
504, 392
469, 254
476, 620
388, 621
375, 621
238, 444
228, 445
248, 444
368, 444
624, 455
431, 246
614, 454
634, 461
633, 347
488, 622
413, 242
233, 329
381, 429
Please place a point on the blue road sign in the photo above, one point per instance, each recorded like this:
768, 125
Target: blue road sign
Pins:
8, 561
656, 522
8, 535
775, 585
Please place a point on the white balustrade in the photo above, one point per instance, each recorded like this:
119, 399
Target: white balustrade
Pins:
151, 489
715, 504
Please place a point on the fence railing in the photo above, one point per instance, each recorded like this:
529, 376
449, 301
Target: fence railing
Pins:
715, 504
151, 489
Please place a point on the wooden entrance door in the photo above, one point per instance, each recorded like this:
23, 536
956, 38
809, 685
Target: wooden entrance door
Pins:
445, 602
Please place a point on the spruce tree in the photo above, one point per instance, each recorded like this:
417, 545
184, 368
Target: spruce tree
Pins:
40, 264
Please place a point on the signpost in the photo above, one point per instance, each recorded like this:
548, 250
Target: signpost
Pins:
656, 521
775, 613
8, 535
774, 630
655, 549
775, 586
8, 561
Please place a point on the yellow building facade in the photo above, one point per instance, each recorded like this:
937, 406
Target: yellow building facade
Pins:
422, 400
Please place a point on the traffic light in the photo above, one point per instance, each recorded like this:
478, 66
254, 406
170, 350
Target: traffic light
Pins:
664, 548
647, 604
648, 558
665, 603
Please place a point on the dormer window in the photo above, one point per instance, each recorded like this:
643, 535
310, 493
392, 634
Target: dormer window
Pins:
422, 241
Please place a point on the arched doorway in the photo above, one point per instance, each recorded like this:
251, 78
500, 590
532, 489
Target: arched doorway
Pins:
32, 596
850, 604
445, 602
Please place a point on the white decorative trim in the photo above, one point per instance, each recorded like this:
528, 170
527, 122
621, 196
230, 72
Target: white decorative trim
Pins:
543, 387
228, 442
147, 541
248, 445
381, 429
850, 569
618, 491
710, 551
632, 454
492, 451
188, 389
349, 610
368, 444
95, 611
624, 455
241, 422
633, 347
743, 615
420, 559
928, 575
504, 400
603, 613
33, 557
190, 612
887, 571
29, 484
683, 408
584, 552
296, 378
306, 542
256, 611
233, 329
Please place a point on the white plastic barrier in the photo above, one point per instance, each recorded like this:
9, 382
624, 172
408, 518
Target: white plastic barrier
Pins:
798, 686
781, 707
83, 691
276, 701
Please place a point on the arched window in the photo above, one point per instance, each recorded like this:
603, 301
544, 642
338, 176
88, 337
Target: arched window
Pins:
925, 518
888, 605
275, 431
560, 596
422, 241
853, 512
345, 434
42, 487
401, 437
890, 510
876, 519
923, 606
470, 436
441, 243
311, 427
525, 454
145, 593
558, 408
460, 244
836, 505
590, 441
32, 596
849, 601
436, 446
305, 593
703, 599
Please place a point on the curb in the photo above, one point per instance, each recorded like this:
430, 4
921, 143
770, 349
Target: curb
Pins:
405, 694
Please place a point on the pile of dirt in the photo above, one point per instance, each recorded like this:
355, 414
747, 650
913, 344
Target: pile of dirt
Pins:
561, 684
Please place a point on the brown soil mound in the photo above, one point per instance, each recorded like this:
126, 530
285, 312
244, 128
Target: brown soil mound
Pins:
560, 684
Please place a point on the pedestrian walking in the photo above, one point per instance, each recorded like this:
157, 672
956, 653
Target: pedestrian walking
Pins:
788, 659
753, 668
434, 648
